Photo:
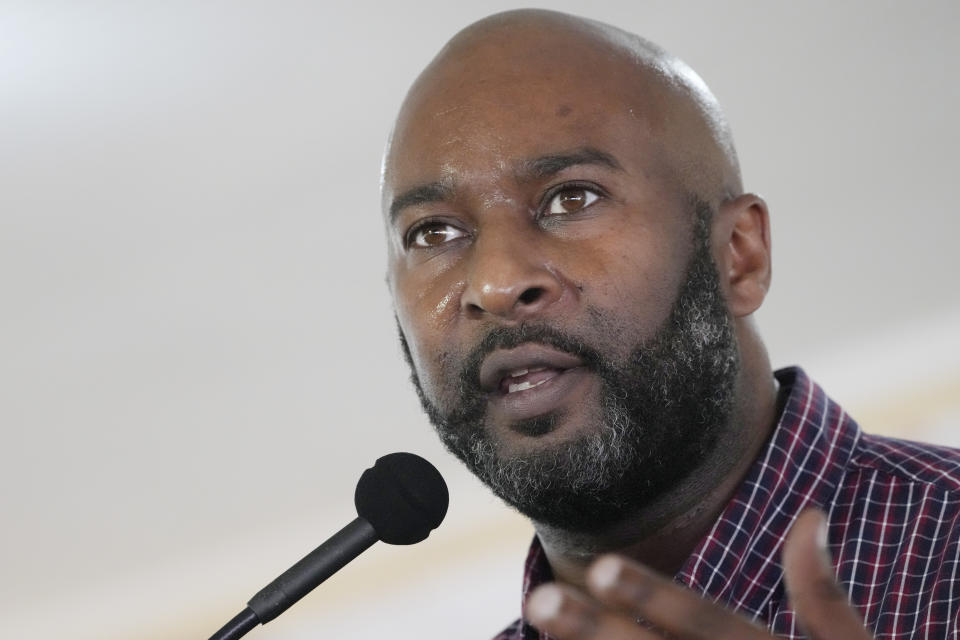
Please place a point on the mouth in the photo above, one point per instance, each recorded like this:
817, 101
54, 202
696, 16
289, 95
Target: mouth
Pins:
526, 367
533, 380
523, 379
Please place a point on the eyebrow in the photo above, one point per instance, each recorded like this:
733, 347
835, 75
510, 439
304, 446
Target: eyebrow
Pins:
421, 194
548, 165
532, 169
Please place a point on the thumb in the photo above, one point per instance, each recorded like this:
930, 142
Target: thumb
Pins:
823, 610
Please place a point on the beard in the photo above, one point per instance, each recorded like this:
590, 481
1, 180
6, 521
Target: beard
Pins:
659, 416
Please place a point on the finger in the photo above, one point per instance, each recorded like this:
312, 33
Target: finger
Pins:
566, 614
822, 607
634, 590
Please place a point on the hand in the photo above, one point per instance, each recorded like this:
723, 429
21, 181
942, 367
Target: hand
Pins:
621, 591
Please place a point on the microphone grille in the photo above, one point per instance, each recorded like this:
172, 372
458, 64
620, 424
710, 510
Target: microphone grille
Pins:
403, 496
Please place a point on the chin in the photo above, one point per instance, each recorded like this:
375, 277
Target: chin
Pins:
542, 433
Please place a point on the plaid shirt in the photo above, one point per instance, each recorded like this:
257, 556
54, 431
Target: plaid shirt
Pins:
894, 525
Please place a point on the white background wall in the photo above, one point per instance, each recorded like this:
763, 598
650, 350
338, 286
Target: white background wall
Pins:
197, 352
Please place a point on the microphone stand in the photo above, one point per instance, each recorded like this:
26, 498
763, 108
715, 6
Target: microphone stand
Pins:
301, 578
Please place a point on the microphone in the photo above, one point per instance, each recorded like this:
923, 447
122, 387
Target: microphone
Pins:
399, 500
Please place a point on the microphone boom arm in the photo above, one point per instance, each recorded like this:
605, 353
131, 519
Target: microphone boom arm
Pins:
301, 578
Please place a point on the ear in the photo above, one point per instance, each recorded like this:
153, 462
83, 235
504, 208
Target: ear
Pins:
742, 245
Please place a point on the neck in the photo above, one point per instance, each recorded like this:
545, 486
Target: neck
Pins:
663, 533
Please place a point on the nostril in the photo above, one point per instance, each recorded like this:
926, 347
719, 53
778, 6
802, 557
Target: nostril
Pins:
531, 295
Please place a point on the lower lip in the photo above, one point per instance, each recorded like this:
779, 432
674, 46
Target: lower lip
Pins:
550, 396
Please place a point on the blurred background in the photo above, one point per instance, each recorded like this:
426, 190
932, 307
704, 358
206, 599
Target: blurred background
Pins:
197, 350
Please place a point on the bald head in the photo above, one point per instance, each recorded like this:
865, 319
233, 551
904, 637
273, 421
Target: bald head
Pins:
504, 62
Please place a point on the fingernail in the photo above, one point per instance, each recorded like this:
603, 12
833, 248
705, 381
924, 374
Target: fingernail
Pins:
607, 574
822, 534
545, 603
553, 611
821, 540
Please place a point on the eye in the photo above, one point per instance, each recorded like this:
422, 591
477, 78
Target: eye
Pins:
570, 200
432, 234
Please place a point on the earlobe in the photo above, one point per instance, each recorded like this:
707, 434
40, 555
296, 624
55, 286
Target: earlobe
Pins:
745, 230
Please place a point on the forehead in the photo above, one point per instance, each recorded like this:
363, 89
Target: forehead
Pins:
502, 103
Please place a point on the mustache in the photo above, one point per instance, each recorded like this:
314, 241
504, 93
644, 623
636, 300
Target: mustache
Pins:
511, 337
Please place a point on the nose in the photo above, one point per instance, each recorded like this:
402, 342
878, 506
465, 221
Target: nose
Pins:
508, 277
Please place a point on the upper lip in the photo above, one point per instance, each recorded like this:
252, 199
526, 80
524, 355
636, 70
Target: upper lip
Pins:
500, 363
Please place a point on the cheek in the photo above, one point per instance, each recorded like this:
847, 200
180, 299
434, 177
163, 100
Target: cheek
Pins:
650, 283
630, 278
426, 309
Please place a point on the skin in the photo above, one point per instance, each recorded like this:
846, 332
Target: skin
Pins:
486, 228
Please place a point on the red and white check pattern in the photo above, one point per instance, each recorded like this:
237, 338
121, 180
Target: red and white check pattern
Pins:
894, 525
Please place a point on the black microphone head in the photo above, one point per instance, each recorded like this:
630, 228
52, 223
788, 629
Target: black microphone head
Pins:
403, 496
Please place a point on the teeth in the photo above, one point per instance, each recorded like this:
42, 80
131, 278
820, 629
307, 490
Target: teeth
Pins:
523, 386
516, 373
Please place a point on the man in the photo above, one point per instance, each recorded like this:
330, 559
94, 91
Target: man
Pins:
575, 265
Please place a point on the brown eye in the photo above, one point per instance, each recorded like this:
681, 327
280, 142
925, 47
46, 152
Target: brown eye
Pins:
571, 200
434, 235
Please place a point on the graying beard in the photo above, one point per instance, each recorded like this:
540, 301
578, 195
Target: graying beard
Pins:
589, 465
585, 467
